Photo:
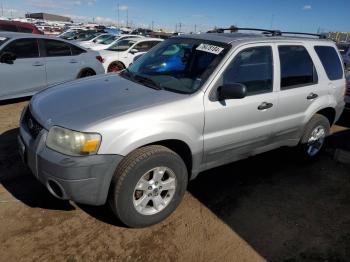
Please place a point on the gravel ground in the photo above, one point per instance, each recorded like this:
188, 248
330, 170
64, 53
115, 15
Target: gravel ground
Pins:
269, 207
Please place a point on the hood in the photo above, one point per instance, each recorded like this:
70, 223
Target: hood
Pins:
80, 104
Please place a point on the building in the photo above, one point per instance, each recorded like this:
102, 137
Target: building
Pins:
48, 17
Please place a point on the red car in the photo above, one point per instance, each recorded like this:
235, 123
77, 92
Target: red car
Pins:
13, 26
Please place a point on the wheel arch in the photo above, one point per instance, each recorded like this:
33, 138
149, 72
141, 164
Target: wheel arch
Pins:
84, 70
113, 62
179, 147
329, 113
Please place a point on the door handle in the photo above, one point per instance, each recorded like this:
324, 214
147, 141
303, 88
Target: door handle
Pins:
312, 96
73, 61
265, 106
38, 63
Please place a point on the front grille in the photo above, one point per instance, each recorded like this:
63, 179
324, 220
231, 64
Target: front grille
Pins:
32, 125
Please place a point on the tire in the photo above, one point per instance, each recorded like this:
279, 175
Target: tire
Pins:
115, 67
309, 147
87, 73
146, 163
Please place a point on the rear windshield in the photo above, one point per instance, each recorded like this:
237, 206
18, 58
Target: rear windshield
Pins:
330, 61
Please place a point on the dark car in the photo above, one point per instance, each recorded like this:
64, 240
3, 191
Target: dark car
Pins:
344, 49
142, 31
19, 27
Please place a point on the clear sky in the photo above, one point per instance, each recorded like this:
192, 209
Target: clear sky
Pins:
291, 15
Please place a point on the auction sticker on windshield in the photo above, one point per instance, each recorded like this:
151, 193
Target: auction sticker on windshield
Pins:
210, 48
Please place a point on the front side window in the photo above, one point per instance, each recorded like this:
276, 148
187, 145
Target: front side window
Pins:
330, 61
23, 48
57, 48
178, 65
252, 67
297, 68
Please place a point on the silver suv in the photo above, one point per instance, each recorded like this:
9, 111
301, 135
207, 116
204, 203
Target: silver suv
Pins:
192, 103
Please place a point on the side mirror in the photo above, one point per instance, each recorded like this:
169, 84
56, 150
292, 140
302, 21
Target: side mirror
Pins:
7, 58
232, 91
134, 51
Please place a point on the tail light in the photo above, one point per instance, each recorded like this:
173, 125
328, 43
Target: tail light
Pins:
100, 58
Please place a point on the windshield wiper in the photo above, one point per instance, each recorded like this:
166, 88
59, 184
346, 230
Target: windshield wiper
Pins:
148, 82
141, 79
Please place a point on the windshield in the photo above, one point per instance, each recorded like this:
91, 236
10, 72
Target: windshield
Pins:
343, 48
122, 45
86, 37
68, 34
109, 40
178, 64
101, 38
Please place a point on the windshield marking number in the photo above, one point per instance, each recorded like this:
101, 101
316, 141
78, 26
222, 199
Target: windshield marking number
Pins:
210, 48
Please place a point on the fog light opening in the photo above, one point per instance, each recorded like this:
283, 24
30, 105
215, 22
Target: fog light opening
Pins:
55, 189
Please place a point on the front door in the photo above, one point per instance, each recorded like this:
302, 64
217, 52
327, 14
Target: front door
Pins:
236, 128
26, 75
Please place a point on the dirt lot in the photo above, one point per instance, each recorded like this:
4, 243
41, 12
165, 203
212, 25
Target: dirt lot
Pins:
270, 207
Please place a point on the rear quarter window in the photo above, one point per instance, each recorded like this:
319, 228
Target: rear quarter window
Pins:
330, 61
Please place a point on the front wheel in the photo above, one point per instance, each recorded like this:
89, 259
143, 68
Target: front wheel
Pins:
148, 186
314, 137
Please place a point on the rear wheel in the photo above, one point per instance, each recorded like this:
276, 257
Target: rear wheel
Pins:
148, 186
314, 137
115, 67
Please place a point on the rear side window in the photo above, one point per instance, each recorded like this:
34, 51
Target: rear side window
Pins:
57, 48
253, 68
330, 61
23, 48
297, 68
9, 28
24, 29
76, 50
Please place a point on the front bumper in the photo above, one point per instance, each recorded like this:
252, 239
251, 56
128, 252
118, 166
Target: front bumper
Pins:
83, 179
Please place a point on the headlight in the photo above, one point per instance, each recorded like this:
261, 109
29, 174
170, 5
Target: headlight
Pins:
73, 143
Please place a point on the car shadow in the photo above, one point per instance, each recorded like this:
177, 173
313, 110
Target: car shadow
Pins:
345, 119
14, 100
285, 208
18, 180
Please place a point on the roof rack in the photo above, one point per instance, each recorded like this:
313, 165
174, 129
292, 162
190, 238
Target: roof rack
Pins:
235, 29
308, 34
264, 31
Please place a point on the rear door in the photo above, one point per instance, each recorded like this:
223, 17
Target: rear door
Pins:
61, 64
300, 87
27, 73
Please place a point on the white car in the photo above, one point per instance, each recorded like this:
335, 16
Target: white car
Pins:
111, 41
96, 40
122, 54
30, 63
